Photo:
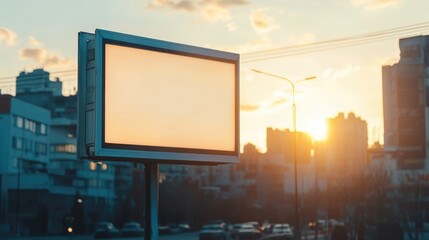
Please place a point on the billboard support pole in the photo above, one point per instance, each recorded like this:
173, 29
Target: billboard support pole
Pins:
151, 201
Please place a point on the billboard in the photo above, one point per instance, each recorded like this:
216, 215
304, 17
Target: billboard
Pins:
143, 99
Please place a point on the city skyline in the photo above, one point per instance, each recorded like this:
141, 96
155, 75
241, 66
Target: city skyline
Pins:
348, 78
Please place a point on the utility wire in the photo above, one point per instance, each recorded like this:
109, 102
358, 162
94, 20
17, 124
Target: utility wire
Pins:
65, 72
36, 79
397, 30
360, 39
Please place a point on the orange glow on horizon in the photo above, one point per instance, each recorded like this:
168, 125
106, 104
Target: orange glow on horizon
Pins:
317, 130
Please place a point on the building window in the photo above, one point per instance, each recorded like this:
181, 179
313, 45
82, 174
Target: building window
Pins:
15, 162
79, 183
92, 166
30, 125
17, 143
93, 183
427, 95
28, 144
41, 148
41, 128
18, 122
64, 148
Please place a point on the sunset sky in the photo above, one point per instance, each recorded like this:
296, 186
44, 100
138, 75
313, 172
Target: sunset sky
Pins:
35, 34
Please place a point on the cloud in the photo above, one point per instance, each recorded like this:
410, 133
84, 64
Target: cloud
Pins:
249, 108
248, 47
33, 41
43, 57
214, 12
374, 4
342, 73
210, 10
277, 103
8, 36
264, 106
231, 26
184, 5
261, 22
302, 39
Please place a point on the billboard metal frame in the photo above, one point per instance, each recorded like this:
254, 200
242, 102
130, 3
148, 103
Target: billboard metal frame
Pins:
91, 96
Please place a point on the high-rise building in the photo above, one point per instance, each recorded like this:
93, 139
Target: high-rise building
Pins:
24, 158
346, 145
281, 142
346, 151
406, 102
67, 179
279, 162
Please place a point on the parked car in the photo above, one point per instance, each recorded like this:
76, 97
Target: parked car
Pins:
282, 228
248, 232
106, 230
132, 229
220, 222
255, 224
179, 228
234, 230
266, 227
212, 232
184, 227
162, 230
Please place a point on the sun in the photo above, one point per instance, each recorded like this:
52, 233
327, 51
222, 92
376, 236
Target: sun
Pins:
317, 130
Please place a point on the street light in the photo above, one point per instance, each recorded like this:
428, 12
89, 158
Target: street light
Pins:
298, 228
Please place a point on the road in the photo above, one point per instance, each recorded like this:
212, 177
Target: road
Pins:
182, 236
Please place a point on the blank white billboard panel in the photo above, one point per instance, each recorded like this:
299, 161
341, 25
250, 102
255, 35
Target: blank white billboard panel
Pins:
161, 99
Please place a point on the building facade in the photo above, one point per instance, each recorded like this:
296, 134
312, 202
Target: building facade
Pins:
406, 131
406, 102
346, 145
24, 159
346, 156
40, 109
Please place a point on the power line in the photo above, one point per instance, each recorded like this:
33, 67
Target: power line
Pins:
359, 39
355, 40
71, 71
36, 80
396, 31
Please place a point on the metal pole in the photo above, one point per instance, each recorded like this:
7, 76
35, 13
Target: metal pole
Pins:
316, 198
151, 201
295, 160
18, 199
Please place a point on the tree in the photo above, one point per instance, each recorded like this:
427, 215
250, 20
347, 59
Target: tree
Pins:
410, 203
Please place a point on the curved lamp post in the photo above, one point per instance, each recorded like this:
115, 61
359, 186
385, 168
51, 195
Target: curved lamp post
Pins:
295, 160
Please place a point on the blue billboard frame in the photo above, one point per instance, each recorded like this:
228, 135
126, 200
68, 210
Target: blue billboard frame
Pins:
91, 97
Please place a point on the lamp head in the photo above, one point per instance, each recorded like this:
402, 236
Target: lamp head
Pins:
310, 78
